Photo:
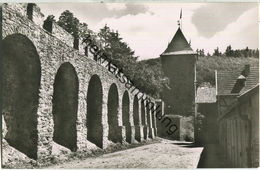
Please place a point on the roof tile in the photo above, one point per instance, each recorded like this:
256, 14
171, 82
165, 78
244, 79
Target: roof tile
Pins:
226, 80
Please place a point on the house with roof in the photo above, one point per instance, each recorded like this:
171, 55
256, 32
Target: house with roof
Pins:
206, 128
238, 115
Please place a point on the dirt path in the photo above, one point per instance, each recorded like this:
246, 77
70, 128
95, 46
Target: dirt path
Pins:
166, 154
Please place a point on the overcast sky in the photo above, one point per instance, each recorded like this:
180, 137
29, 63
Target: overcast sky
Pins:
148, 27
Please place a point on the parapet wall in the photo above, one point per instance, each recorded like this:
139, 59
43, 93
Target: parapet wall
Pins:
62, 35
50, 87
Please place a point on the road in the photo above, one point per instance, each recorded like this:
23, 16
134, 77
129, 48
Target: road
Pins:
165, 154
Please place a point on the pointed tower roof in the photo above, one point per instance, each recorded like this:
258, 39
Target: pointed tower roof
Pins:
178, 45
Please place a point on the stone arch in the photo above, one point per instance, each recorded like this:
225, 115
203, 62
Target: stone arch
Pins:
20, 94
112, 108
94, 111
126, 116
143, 119
65, 106
136, 118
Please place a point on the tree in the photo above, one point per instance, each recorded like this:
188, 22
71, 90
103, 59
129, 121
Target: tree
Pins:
70, 23
246, 52
197, 51
83, 30
202, 54
118, 51
229, 52
216, 52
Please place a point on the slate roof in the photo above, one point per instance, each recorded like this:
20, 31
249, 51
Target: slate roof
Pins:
178, 45
206, 95
226, 80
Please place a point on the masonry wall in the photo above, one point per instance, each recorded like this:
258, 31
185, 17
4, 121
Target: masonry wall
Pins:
181, 70
208, 128
51, 51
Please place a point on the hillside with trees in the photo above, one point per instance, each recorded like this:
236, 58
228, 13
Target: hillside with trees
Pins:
147, 75
207, 65
228, 60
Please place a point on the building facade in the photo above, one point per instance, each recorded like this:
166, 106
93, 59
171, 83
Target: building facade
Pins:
238, 116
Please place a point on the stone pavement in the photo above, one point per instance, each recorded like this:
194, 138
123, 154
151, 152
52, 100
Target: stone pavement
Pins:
165, 154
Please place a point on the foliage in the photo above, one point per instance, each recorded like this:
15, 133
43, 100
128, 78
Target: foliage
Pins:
116, 49
201, 52
231, 53
206, 66
143, 75
72, 25
217, 52
68, 22
241, 53
151, 77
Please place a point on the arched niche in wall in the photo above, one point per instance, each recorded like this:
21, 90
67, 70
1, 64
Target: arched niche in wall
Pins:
112, 108
65, 106
94, 111
126, 116
21, 76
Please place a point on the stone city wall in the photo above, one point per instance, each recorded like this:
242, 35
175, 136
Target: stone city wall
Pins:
55, 95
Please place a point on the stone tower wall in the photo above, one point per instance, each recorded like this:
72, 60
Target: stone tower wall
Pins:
181, 70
